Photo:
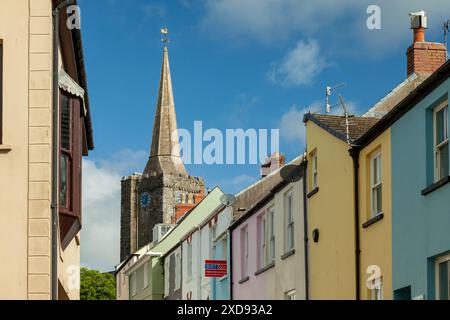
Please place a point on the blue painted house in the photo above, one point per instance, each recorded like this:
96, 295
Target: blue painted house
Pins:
421, 192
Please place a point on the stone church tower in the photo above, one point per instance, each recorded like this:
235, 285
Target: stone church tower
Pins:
165, 191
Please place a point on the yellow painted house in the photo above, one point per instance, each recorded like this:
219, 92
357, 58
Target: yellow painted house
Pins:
375, 216
333, 241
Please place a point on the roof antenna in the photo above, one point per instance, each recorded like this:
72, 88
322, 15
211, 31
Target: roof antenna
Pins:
165, 35
329, 91
446, 31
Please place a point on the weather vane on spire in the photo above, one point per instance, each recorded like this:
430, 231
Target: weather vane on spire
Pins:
165, 33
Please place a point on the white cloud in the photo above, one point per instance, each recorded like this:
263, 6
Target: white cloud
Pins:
100, 235
300, 66
339, 24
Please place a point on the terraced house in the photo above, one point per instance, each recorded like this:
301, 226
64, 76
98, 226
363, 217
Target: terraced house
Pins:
45, 129
368, 189
268, 244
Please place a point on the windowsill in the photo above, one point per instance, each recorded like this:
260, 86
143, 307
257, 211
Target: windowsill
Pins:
309, 195
268, 267
244, 280
4, 148
435, 186
373, 220
288, 254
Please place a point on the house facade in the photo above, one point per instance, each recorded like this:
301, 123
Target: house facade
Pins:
268, 248
147, 275
421, 193
208, 241
45, 129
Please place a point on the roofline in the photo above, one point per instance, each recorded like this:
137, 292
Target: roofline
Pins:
409, 102
310, 117
121, 265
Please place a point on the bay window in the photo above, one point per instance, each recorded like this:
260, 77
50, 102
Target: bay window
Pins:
70, 146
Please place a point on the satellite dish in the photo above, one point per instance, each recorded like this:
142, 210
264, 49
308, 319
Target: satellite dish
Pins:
292, 173
228, 199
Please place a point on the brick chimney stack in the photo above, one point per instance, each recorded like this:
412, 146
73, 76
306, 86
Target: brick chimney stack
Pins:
274, 162
423, 57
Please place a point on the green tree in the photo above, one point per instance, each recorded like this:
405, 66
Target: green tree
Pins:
96, 285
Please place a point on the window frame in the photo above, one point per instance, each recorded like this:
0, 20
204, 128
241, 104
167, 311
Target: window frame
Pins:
266, 226
376, 185
133, 284
244, 252
289, 224
189, 260
270, 236
314, 171
437, 147
177, 260
262, 240
146, 278
439, 260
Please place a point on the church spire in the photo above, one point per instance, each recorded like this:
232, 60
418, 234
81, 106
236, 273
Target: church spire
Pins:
165, 149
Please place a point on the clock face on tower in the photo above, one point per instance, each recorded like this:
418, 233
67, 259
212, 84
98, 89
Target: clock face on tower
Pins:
145, 199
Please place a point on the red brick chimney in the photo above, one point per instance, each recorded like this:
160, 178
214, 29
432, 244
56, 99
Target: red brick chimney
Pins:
274, 162
423, 57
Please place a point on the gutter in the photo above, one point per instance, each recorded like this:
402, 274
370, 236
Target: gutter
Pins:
354, 153
305, 230
55, 148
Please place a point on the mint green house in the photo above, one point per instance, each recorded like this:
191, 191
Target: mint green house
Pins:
144, 277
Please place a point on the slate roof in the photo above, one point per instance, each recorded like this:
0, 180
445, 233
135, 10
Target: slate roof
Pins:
336, 125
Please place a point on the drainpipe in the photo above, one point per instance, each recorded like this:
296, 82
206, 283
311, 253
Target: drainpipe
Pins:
354, 153
305, 229
55, 147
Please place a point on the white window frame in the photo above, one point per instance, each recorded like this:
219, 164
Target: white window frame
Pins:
133, 284
289, 221
375, 185
436, 146
376, 293
262, 241
244, 252
146, 282
314, 171
290, 295
439, 260
270, 235
177, 270
189, 260
166, 276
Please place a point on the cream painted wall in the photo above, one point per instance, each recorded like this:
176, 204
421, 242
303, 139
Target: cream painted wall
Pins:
376, 240
14, 33
25, 157
331, 210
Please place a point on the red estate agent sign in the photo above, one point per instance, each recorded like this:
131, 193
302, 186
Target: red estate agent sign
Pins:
215, 268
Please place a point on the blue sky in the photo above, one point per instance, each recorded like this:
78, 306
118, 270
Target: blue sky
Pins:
235, 64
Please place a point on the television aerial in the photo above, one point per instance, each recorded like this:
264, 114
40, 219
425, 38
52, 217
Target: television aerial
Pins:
228, 199
328, 93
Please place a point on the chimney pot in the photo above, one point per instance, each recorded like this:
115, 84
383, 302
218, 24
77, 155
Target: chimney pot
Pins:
423, 57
